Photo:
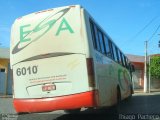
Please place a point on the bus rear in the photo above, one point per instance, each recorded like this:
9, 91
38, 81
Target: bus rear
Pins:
48, 58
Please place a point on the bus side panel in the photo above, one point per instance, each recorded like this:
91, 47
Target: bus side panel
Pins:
106, 78
109, 76
125, 83
107, 73
101, 73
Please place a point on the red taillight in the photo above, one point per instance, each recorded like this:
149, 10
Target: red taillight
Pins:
91, 79
90, 69
90, 66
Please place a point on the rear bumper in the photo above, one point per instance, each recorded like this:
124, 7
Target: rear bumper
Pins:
86, 99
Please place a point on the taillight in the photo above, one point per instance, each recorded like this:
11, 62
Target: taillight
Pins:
90, 69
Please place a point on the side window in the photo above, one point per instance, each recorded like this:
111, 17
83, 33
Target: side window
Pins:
122, 59
97, 39
119, 56
111, 49
107, 46
114, 52
125, 61
93, 35
101, 41
104, 45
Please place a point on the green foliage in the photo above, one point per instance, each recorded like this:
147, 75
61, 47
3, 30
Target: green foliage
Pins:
155, 67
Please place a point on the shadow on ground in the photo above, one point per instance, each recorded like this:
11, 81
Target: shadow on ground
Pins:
139, 107
99, 114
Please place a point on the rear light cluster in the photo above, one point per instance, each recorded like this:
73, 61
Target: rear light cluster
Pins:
90, 69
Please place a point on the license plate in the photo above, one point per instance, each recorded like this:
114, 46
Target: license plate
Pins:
48, 87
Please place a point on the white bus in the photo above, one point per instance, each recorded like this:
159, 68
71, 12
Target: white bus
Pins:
63, 60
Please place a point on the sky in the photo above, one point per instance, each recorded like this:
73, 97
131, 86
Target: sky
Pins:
128, 22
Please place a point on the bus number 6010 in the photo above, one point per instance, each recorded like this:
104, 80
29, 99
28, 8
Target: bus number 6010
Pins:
29, 70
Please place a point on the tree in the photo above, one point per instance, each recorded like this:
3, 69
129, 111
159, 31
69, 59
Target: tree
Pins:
155, 67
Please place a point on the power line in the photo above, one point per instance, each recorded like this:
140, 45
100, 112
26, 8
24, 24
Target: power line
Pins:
154, 33
149, 40
138, 33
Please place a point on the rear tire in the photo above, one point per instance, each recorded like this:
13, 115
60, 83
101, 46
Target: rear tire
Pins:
118, 106
118, 96
73, 111
114, 110
130, 96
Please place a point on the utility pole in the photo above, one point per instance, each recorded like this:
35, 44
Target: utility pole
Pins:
149, 74
145, 68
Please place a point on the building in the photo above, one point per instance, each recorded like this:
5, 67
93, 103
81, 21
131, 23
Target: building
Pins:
4, 59
5, 72
138, 75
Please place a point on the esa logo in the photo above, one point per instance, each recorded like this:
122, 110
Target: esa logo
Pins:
42, 28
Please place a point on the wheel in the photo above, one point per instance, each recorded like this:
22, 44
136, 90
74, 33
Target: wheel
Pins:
118, 106
115, 109
118, 96
73, 111
131, 92
130, 95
